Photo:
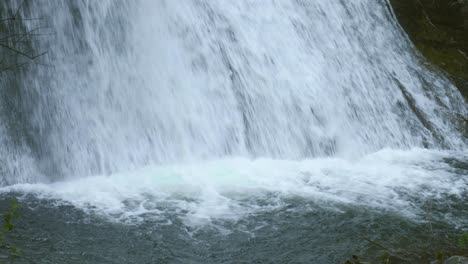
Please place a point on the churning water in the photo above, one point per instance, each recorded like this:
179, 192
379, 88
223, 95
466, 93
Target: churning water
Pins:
205, 124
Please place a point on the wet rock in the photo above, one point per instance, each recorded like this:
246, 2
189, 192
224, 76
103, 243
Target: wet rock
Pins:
439, 29
457, 260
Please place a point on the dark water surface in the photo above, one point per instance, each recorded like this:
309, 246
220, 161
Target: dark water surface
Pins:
301, 232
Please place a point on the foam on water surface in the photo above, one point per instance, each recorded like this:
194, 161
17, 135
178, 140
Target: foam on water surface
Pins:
232, 188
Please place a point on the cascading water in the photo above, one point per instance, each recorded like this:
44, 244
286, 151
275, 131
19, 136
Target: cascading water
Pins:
153, 81
207, 106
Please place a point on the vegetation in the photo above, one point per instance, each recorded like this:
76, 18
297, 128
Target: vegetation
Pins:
463, 241
6, 248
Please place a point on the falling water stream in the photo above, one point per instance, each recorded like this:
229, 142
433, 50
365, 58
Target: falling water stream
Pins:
219, 131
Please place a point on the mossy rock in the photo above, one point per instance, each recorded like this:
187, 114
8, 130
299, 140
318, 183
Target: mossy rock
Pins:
439, 29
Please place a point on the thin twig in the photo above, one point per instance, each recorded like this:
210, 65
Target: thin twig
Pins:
14, 67
20, 19
15, 50
463, 53
426, 15
17, 11
375, 243
22, 35
389, 251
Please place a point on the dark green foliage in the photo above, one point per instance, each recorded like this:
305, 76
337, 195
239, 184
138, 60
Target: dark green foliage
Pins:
463, 241
440, 257
8, 226
8, 217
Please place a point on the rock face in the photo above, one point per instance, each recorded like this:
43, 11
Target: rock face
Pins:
456, 260
439, 29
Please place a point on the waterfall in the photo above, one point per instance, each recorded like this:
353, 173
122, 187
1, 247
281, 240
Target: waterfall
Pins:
135, 83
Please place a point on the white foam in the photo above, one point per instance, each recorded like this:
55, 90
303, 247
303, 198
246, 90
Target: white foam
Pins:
229, 189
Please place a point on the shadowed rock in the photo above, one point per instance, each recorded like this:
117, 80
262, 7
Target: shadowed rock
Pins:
439, 29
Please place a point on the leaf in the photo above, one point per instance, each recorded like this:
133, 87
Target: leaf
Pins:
7, 218
385, 258
440, 257
8, 227
463, 240
14, 206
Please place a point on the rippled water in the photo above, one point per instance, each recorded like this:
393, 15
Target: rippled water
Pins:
238, 210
